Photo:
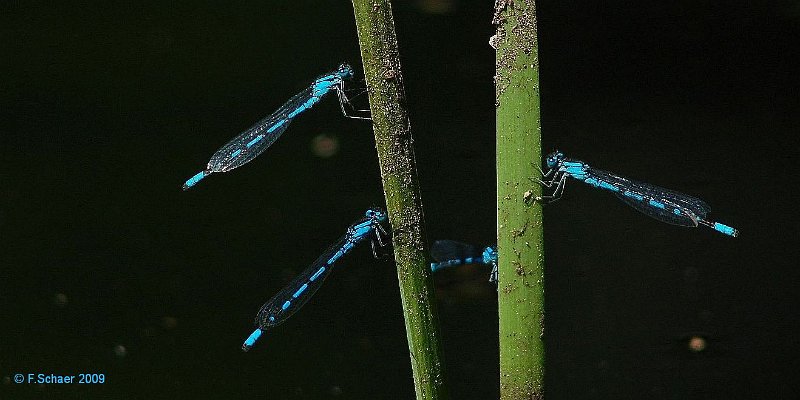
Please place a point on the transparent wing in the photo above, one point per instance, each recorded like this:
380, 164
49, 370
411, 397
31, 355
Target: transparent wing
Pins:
697, 206
299, 291
448, 250
680, 209
254, 140
667, 215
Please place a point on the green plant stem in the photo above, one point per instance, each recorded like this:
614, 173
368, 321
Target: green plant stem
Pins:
394, 143
519, 221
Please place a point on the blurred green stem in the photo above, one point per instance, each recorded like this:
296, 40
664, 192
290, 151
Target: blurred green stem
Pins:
394, 143
519, 221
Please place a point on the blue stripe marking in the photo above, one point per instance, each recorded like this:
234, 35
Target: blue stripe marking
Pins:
316, 275
361, 229
236, 153
633, 195
575, 169
302, 108
608, 186
255, 140
277, 125
300, 291
286, 305
656, 204
347, 246
335, 257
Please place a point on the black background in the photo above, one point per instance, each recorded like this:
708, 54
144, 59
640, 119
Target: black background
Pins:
106, 266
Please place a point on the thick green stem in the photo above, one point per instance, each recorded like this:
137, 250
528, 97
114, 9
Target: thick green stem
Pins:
519, 220
393, 140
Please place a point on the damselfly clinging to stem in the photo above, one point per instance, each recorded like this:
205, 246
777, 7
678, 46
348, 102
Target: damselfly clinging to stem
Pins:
254, 140
286, 302
662, 204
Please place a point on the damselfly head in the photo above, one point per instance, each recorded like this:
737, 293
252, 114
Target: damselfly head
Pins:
554, 158
345, 71
489, 255
376, 213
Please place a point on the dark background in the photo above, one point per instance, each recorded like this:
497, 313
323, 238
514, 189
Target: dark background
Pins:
106, 266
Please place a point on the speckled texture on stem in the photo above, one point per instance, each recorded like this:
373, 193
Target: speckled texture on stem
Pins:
394, 143
519, 222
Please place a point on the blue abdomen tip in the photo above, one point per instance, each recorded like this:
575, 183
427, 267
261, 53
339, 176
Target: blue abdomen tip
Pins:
726, 229
193, 180
251, 340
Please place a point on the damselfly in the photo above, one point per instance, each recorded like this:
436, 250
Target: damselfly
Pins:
662, 204
286, 302
254, 140
450, 253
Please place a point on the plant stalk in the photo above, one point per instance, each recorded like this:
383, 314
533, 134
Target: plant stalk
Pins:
380, 57
519, 219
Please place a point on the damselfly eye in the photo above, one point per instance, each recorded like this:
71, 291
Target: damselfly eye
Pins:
345, 70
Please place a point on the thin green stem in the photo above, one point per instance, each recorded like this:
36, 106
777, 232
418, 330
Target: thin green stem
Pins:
394, 143
519, 221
